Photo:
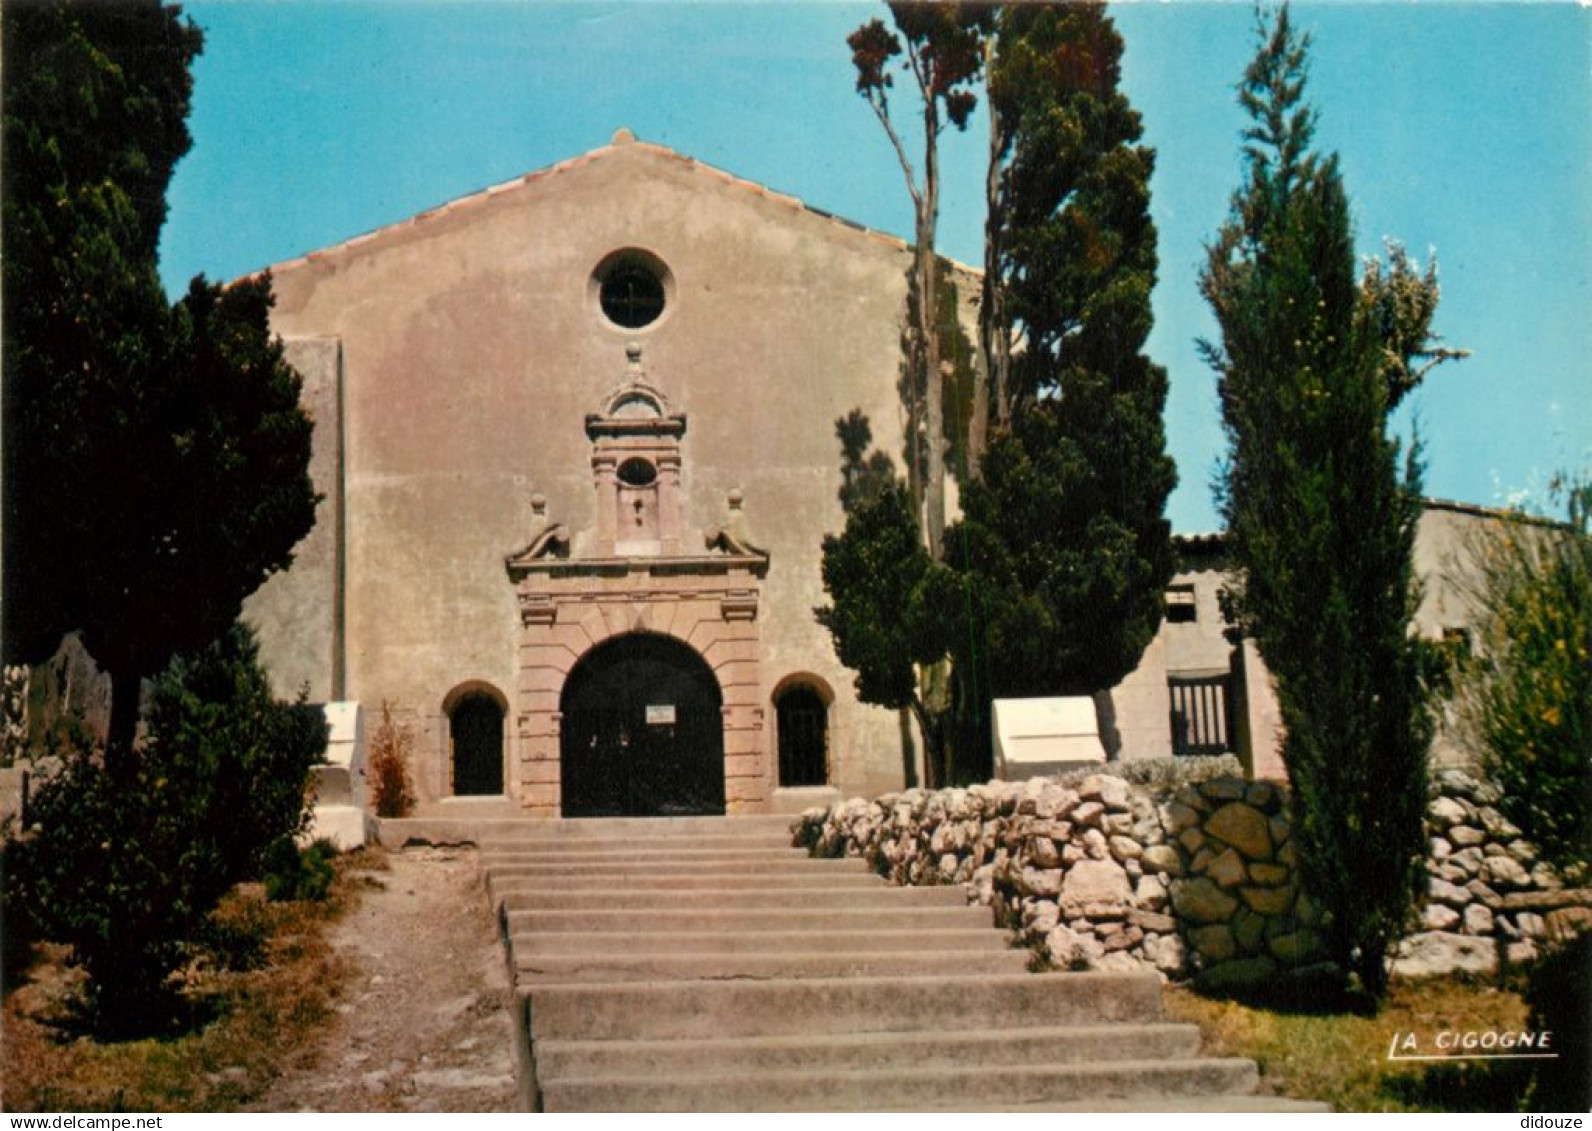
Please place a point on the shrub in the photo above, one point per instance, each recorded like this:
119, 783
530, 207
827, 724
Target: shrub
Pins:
294, 873
392, 790
1558, 992
1526, 693
125, 860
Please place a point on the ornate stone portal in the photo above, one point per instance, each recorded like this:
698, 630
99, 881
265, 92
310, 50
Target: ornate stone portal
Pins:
642, 576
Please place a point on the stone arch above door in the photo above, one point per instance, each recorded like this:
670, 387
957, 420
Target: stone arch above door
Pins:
703, 595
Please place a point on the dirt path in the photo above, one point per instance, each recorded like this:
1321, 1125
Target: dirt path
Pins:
423, 1024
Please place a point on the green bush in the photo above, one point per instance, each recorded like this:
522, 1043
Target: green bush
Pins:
125, 859
1559, 993
294, 873
1526, 693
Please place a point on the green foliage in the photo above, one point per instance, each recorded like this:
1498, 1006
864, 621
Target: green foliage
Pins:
1321, 506
391, 747
875, 573
125, 859
1064, 568
1064, 551
1526, 693
1558, 991
294, 873
155, 454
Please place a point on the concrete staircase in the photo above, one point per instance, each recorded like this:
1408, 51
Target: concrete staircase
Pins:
702, 964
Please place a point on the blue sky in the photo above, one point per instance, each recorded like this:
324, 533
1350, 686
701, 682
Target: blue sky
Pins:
1462, 127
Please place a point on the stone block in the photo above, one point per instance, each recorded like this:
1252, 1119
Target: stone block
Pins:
1201, 901
1192, 840
1069, 949
1466, 835
1228, 869
1126, 939
1163, 859
1089, 813
1166, 953
1445, 811
1095, 882
1442, 952
1153, 921
1179, 817
1268, 901
1478, 920
1297, 948
1505, 871
1249, 930
1149, 893
1444, 892
1439, 917
1110, 791
1242, 827
1224, 789
1214, 943
1269, 875
1125, 848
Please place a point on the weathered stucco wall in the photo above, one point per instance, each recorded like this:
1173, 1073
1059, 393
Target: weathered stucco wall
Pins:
472, 348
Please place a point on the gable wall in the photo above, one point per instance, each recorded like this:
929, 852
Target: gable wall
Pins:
472, 351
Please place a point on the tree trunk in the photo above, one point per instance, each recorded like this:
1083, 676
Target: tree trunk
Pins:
933, 746
123, 728
994, 342
928, 318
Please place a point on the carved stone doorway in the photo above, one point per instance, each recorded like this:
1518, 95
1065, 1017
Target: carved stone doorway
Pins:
642, 732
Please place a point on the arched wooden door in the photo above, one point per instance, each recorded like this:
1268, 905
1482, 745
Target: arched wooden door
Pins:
642, 732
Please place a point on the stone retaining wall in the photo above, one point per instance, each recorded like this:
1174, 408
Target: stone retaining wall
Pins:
1198, 878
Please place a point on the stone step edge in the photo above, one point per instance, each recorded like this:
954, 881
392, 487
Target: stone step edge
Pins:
885, 1077
815, 941
1038, 983
794, 1041
685, 956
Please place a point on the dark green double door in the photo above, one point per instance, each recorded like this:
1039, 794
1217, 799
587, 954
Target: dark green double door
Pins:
642, 732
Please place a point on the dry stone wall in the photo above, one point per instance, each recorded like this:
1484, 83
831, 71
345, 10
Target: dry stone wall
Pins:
1198, 878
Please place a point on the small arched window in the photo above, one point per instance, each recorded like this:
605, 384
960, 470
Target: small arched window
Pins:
802, 721
475, 725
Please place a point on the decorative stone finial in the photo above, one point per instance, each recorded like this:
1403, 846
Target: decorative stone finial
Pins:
633, 369
622, 136
539, 504
736, 498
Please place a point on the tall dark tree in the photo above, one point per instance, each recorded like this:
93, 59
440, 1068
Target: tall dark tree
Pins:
1065, 545
1321, 504
938, 47
155, 455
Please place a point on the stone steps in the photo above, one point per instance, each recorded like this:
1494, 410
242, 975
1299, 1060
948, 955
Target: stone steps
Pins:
874, 1089
520, 919
546, 878
527, 894
598, 966
855, 1051
729, 941
705, 965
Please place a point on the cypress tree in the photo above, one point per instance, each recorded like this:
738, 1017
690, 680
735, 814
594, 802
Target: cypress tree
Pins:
1321, 504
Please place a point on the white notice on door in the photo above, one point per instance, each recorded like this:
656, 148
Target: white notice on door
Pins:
660, 714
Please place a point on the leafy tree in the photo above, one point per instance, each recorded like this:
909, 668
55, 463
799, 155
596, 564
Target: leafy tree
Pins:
1526, 691
883, 617
1321, 504
155, 455
1065, 548
938, 46
125, 861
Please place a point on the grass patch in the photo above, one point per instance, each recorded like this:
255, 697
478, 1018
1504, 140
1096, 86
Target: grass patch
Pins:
259, 999
1342, 1057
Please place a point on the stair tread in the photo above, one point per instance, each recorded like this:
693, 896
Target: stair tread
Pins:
870, 1039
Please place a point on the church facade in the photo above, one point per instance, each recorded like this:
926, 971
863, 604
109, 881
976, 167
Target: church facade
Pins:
576, 440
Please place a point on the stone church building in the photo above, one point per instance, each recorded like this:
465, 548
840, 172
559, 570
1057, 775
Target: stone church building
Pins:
576, 438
